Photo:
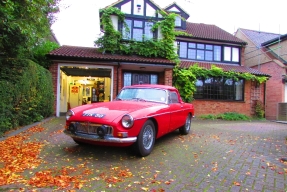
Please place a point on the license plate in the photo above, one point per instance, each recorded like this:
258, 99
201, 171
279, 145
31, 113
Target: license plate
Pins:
83, 127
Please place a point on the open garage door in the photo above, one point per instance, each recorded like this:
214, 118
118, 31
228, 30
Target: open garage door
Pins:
83, 85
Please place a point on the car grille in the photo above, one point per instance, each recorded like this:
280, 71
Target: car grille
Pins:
91, 128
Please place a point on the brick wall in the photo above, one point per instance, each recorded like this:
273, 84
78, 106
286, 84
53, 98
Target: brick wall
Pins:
204, 107
168, 77
54, 71
274, 88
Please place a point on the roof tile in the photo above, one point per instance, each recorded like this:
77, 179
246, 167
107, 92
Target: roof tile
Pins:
211, 32
94, 53
259, 37
72, 52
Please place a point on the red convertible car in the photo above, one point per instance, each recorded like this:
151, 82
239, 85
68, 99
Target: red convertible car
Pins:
139, 115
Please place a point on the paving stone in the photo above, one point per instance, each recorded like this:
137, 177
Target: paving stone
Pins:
217, 156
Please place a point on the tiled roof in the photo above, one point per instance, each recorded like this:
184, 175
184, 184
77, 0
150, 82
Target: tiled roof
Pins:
258, 37
211, 32
225, 67
279, 37
93, 53
83, 53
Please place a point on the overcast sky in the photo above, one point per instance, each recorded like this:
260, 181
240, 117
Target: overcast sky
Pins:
78, 21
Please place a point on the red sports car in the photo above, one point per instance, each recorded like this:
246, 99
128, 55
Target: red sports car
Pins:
139, 115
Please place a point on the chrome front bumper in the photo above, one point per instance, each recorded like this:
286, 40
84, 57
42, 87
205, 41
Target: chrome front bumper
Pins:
106, 139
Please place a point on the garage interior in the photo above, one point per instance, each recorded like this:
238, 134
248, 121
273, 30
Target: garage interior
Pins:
83, 85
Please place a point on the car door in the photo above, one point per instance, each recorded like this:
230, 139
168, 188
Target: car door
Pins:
177, 117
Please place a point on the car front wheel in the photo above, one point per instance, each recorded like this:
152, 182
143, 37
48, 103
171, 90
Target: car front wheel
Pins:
184, 130
145, 139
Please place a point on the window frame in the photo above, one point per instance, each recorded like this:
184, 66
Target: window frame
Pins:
142, 28
218, 88
208, 52
129, 75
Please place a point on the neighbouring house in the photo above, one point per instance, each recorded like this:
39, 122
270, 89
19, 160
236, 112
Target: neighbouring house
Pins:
267, 52
85, 75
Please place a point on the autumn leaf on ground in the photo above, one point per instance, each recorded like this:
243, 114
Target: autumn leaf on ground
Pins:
236, 183
116, 175
18, 155
145, 188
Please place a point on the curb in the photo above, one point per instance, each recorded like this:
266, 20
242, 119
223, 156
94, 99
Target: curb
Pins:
13, 133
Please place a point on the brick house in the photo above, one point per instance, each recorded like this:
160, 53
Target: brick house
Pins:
267, 52
85, 75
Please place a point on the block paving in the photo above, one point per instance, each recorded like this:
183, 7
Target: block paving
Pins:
216, 156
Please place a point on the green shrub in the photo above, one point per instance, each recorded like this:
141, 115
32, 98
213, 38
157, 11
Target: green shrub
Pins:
229, 116
26, 93
259, 109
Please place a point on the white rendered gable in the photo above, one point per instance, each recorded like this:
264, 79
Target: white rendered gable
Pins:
127, 8
139, 7
174, 9
150, 12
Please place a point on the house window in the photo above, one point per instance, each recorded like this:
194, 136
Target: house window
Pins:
138, 30
178, 21
127, 79
139, 78
217, 88
231, 54
208, 52
153, 79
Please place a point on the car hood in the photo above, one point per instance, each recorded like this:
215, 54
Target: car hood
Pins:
108, 111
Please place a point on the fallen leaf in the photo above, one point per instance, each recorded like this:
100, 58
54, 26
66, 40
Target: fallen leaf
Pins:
145, 188
236, 183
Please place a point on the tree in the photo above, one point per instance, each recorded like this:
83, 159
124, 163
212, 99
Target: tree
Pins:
39, 53
23, 24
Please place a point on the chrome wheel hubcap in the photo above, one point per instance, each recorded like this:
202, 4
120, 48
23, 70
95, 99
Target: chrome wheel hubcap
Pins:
148, 137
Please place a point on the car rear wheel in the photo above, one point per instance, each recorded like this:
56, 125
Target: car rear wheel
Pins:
184, 130
145, 139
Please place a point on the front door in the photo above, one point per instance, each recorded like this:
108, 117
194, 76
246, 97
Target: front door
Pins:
140, 79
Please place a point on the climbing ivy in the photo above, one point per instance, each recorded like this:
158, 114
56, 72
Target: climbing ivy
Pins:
112, 40
183, 79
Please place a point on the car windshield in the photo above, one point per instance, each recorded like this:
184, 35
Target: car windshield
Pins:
143, 94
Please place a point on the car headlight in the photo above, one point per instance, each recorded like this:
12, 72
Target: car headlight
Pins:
69, 114
127, 121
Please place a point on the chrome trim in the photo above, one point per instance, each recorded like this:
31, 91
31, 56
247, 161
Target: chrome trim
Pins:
91, 128
106, 139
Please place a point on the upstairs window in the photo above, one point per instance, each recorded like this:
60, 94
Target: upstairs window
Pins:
138, 30
231, 54
178, 21
208, 52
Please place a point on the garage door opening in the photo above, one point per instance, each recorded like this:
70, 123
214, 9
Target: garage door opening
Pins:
83, 85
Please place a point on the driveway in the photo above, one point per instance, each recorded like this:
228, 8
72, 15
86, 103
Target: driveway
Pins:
216, 156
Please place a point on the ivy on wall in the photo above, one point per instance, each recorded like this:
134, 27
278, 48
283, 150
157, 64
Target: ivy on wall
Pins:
183, 79
112, 40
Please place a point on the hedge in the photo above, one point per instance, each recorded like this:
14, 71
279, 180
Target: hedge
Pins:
26, 93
